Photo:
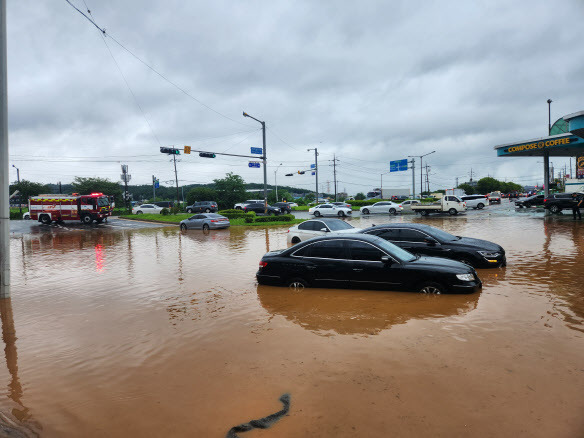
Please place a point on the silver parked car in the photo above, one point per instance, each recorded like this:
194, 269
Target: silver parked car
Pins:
205, 221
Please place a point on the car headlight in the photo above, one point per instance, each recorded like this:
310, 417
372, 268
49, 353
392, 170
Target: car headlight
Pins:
465, 277
489, 254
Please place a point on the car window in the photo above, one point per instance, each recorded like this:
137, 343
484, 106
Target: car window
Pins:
305, 226
406, 203
339, 225
326, 206
406, 235
328, 249
200, 216
147, 206
317, 225
389, 234
364, 251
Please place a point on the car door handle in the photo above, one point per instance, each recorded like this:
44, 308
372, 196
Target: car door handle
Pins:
357, 269
311, 267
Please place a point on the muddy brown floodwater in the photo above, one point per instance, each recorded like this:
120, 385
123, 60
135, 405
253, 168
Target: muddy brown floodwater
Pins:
158, 333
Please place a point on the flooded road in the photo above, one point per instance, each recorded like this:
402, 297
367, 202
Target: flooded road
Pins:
154, 332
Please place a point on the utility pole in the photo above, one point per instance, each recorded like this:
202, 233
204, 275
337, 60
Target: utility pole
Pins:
427, 180
153, 188
176, 179
471, 174
276, 180
335, 174
316, 171
18, 179
4, 182
456, 181
60, 188
413, 162
264, 158
126, 179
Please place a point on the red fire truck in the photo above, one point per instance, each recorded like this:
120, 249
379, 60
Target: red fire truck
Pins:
86, 208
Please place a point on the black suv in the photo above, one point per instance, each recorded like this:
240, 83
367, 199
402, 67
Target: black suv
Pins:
203, 207
560, 201
529, 201
258, 208
430, 241
284, 207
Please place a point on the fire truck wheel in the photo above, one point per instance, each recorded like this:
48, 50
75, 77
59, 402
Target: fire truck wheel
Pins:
86, 219
99, 220
46, 219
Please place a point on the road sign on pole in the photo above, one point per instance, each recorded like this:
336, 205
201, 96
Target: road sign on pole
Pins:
254, 164
398, 165
313, 166
257, 151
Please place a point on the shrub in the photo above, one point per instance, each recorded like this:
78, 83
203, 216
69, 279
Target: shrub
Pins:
14, 215
175, 210
164, 212
248, 220
281, 218
234, 214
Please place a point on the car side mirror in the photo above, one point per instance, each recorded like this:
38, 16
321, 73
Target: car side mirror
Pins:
326, 230
430, 242
386, 260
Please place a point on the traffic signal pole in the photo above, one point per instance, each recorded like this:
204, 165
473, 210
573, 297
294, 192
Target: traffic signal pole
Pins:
176, 179
4, 183
264, 159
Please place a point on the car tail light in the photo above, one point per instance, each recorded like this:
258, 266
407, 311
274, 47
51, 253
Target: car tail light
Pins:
263, 264
214, 220
400, 206
545, 200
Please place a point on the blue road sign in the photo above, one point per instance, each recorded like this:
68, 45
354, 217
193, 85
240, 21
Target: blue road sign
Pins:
313, 173
157, 184
398, 165
256, 151
313, 166
254, 164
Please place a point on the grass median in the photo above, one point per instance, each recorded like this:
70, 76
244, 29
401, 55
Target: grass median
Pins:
236, 222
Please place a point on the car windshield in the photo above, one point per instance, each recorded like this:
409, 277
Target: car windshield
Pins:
102, 202
213, 215
400, 254
339, 225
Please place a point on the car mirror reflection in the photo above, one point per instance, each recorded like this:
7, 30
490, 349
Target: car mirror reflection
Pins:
326, 230
387, 260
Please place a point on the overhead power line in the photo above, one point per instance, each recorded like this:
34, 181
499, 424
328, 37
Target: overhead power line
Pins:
103, 31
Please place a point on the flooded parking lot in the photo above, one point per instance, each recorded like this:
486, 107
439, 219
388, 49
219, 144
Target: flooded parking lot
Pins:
152, 332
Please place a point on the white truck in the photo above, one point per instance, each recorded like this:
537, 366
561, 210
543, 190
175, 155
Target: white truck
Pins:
388, 193
455, 192
448, 204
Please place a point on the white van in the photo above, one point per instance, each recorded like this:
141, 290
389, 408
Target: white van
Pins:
475, 201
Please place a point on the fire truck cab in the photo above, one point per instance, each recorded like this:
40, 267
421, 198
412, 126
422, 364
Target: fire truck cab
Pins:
86, 208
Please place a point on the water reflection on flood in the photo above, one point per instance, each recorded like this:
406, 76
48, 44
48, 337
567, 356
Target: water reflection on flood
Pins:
166, 333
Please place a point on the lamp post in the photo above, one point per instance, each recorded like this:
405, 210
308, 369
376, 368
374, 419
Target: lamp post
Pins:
546, 154
4, 183
315, 171
276, 179
18, 179
421, 170
263, 159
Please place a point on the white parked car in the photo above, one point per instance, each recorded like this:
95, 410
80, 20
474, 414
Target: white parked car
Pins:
26, 216
386, 207
147, 209
318, 227
329, 210
475, 201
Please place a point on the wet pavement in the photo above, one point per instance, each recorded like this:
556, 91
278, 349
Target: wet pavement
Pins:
152, 332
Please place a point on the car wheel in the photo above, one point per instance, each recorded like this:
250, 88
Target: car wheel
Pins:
46, 219
317, 213
99, 220
392, 211
555, 209
480, 206
365, 211
431, 288
139, 212
205, 227
295, 240
207, 210
86, 219
423, 213
466, 261
341, 214
189, 210
297, 284
238, 208
183, 227
452, 212
27, 218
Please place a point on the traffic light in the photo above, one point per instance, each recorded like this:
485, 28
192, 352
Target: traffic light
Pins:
289, 174
170, 151
207, 154
187, 150
301, 172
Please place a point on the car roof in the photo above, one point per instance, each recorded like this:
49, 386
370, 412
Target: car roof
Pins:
348, 236
422, 227
325, 220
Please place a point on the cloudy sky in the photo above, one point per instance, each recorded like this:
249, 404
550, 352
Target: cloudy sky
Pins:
366, 81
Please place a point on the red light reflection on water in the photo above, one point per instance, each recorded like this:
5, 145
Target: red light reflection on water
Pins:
99, 257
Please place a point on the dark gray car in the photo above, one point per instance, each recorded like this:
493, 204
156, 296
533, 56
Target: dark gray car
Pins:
205, 221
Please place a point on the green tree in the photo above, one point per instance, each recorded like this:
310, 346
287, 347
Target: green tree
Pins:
359, 196
508, 187
201, 194
487, 185
282, 194
86, 186
27, 189
230, 190
468, 189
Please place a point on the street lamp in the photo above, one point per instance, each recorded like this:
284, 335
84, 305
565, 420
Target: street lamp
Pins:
264, 160
315, 171
18, 179
549, 101
276, 179
421, 169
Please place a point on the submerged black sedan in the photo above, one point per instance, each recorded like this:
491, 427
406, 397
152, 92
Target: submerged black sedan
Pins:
363, 262
431, 241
